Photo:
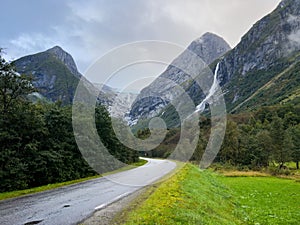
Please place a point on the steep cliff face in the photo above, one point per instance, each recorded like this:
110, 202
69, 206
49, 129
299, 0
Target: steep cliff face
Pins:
65, 58
55, 75
269, 49
163, 90
263, 69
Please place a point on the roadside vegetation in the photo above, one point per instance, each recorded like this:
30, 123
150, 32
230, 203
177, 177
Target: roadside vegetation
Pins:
193, 196
37, 143
265, 139
190, 196
13, 194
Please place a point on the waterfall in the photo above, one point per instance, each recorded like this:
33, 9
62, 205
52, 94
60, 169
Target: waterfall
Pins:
212, 90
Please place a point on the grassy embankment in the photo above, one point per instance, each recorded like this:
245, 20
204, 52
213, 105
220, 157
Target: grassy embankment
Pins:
193, 196
13, 194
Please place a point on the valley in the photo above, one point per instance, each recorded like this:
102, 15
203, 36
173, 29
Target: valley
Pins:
219, 127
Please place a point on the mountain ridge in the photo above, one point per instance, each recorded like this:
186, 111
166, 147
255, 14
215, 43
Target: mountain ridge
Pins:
261, 70
51, 76
208, 47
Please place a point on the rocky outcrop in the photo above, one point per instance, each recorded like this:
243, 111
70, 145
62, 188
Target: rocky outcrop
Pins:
55, 75
65, 58
261, 70
164, 89
263, 52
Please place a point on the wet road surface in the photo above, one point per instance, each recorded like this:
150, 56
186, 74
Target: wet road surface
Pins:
72, 204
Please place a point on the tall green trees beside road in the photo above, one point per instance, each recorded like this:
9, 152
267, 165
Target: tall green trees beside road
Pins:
37, 144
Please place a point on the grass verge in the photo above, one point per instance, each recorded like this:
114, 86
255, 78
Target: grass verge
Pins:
13, 194
190, 196
193, 196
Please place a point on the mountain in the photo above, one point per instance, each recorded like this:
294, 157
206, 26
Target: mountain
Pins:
119, 102
65, 58
209, 47
263, 68
54, 73
161, 91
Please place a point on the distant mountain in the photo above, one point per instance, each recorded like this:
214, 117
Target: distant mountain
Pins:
263, 69
209, 47
119, 102
55, 75
106, 89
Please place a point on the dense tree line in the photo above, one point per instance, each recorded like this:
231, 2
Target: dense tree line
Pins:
269, 136
37, 143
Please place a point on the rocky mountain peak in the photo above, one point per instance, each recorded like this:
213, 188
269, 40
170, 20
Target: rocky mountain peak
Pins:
65, 58
209, 47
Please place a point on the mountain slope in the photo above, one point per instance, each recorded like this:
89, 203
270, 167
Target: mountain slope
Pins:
262, 68
51, 75
163, 90
54, 74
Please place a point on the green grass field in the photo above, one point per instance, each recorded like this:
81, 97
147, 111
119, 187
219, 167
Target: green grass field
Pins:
193, 196
190, 196
266, 200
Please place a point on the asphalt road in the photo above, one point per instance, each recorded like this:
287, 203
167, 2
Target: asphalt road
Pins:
72, 204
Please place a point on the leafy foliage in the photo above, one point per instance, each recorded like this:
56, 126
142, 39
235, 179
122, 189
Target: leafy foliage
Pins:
252, 140
37, 144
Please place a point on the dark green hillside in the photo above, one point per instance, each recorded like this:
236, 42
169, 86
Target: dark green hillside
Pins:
283, 88
37, 143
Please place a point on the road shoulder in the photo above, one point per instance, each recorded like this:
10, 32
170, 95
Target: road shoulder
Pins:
108, 214
115, 212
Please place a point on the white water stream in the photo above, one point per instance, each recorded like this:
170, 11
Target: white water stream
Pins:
212, 90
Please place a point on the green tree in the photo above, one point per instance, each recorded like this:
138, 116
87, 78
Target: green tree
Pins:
13, 87
280, 141
265, 147
295, 134
230, 148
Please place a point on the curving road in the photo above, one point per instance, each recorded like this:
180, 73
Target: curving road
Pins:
72, 204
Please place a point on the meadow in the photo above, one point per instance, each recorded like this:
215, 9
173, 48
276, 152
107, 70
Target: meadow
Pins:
266, 200
193, 196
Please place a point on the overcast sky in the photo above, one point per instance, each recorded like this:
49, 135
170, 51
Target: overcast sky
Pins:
87, 29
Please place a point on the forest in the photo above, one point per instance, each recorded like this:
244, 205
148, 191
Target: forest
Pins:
268, 137
37, 143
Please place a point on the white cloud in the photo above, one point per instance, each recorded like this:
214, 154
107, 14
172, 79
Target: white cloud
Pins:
89, 28
28, 44
88, 11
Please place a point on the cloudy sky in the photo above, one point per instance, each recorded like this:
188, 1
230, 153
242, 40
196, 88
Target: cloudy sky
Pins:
89, 28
